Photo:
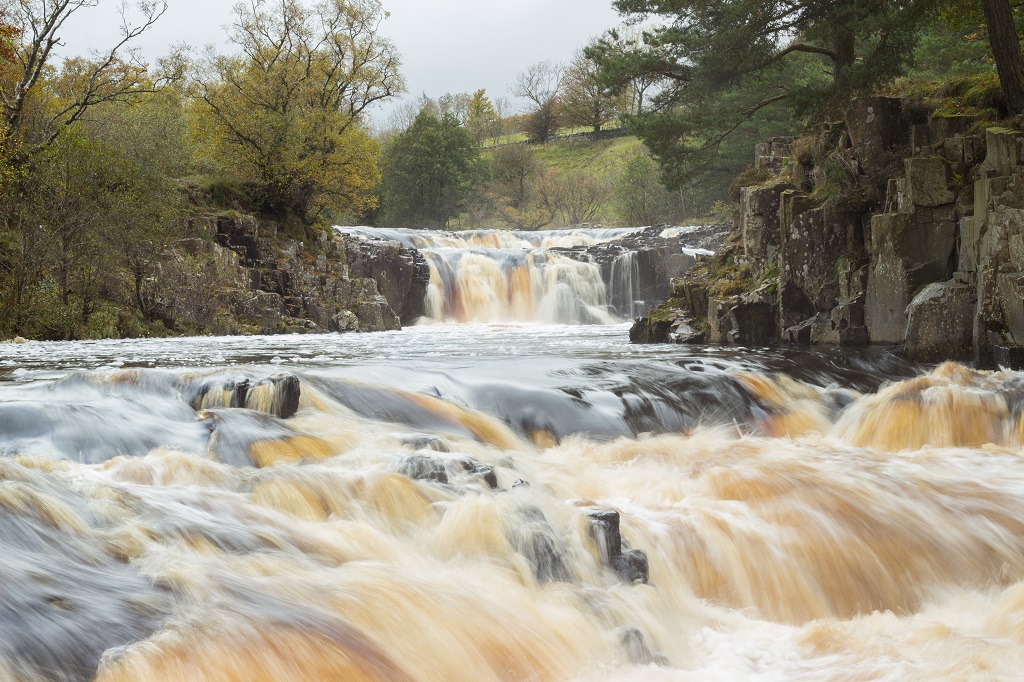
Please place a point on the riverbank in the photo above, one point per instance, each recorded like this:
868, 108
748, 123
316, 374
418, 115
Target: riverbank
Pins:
896, 227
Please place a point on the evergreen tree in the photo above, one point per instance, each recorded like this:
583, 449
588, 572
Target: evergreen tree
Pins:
725, 62
428, 173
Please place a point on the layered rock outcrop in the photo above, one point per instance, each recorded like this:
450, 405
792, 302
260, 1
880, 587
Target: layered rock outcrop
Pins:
930, 254
243, 277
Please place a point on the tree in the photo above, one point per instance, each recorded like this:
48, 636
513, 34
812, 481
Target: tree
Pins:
756, 54
481, 116
93, 206
586, 100
578, 196
428, 173
639, 197
1002, 34
286, 111
110, 75
540, 84
454, 104
519, 194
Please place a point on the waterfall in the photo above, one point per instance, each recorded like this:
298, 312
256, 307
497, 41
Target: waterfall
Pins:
501, 276
625, 287
573, 276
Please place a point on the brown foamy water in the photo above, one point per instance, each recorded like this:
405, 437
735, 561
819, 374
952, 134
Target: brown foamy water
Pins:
752, 522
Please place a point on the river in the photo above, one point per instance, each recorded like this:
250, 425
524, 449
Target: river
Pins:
504, 502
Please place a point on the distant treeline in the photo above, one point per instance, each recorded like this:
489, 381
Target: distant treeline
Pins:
102, 156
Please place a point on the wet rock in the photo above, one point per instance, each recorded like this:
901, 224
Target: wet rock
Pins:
604, 528
637, 267
908, 252
998, 294
219, 391
1008, 355
484, 471
402, 274
800, 334
377, 315
843, 326
665, 324
631, 564
939, 323
536, 540
343, 321
425, 441
637, 649
282, 392
748, 320
1010, 286
233, 433
813, 238
422, 468
64, 600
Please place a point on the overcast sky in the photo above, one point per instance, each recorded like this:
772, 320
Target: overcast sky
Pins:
446, 45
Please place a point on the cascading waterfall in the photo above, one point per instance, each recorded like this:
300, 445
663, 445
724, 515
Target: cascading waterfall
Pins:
625, 284
512, 285
502, 276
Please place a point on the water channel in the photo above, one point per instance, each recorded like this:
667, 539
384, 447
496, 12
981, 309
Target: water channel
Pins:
505, 502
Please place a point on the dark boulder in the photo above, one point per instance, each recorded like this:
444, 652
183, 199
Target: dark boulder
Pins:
630, 564
423, 468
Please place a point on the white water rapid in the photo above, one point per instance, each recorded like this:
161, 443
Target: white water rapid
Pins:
495, 503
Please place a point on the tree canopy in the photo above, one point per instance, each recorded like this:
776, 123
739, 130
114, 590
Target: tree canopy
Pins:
722, 62
37, 102
428, 172
286, 110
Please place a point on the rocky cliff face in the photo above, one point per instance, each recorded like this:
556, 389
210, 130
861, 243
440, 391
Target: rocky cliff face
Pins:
401, 274
934, 260
244, 278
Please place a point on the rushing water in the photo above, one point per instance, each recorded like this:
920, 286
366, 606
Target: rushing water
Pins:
504, 503
500, 276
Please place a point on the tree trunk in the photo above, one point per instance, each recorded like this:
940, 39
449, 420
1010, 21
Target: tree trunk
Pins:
1002, 36
845, 46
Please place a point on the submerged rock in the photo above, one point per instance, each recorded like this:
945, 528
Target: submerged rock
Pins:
668, 323
423, 468
637, 649
484, 471
536, 540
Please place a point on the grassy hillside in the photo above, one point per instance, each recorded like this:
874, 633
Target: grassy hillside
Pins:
568, 182
605, 159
